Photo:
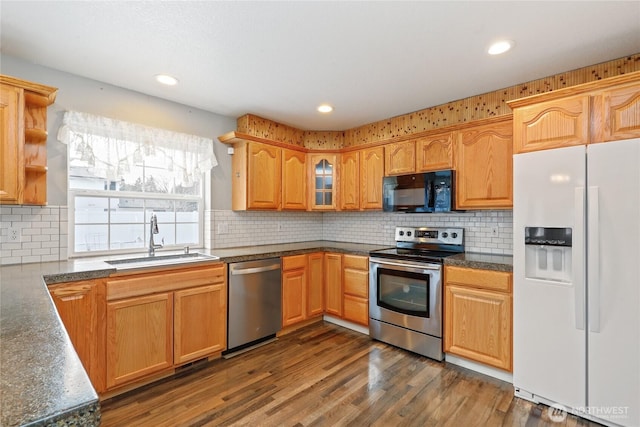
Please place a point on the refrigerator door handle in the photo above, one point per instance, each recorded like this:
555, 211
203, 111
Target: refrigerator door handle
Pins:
578, 258
593, 258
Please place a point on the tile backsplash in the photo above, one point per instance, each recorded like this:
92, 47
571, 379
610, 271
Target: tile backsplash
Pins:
227, 229
41, 234
485, 231
44, 236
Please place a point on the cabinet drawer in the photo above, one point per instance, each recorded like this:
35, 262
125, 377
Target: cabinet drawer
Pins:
484, 279
294, 262
356, 282
356, 310
356, 261
148, 283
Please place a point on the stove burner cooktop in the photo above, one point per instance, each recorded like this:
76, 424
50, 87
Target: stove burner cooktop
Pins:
424, 244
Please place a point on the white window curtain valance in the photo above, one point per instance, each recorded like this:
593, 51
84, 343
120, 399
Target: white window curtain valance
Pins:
114, 147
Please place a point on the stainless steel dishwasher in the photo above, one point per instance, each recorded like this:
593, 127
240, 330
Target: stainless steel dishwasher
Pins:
255, 303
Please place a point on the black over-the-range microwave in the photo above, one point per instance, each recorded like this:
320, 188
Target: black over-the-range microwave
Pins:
420, 192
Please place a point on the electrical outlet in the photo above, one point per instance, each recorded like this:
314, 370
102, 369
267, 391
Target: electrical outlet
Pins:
494, 232
279, 226
223, 228
15, 234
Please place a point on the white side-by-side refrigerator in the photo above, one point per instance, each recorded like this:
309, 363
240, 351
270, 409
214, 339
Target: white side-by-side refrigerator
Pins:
576, 294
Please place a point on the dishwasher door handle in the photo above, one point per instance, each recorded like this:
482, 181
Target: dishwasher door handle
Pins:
254, 270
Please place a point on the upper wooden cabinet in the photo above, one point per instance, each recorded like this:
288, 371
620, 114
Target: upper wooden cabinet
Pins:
11, 148
371, 174
484, 178
350, 180
434, 152
23, 152
257, 174
552, 124
360, 177
600, 111
617, 114
322, 185
400, 158
264, 176
294, 180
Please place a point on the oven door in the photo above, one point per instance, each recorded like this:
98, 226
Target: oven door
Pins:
406, 294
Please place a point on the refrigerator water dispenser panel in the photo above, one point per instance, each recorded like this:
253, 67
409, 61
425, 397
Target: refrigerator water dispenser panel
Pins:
548, 254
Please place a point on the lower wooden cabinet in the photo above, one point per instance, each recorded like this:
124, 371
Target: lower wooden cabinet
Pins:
294, 289
478, 315
81, 306
333, 284
302, 287
198, 316
356, 289
157, 321
139, 337
315, 288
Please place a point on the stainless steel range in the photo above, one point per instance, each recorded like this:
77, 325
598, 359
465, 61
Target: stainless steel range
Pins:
405, 288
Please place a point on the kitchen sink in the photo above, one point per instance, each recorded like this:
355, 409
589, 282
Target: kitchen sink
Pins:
160, 260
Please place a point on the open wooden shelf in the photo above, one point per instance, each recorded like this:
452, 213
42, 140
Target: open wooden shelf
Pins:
23, 157
35, 136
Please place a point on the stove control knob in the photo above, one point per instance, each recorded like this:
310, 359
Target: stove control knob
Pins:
445, 235
454, 235
409, 233
401, 233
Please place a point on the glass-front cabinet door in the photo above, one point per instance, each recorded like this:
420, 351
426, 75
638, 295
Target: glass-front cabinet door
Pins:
323, 186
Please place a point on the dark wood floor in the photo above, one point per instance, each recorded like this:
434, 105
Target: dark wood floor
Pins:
325, 375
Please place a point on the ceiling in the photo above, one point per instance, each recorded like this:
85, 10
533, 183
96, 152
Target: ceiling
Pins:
280, 60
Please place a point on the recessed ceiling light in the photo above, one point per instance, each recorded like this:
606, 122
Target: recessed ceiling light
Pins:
500, 47
325, 108
166, 80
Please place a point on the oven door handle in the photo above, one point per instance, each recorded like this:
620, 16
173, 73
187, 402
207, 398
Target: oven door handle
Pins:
407, 264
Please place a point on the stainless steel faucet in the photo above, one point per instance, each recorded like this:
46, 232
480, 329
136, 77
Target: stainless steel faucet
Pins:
153, 229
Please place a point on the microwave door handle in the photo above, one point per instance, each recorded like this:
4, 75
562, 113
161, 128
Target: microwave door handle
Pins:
431, 194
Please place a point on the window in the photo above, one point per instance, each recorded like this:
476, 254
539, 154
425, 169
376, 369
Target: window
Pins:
120, 173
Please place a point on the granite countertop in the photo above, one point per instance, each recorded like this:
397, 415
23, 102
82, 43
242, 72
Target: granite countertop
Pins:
482, 261
42, 380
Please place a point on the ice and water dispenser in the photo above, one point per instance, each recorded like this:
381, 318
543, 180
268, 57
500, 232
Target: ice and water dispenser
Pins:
548, 253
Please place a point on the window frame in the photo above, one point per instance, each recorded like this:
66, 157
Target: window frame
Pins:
106, 194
